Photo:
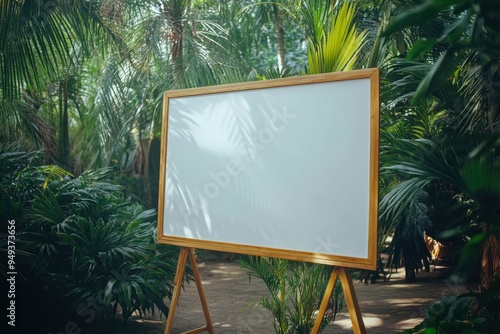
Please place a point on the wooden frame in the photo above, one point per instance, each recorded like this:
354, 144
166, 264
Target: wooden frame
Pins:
330, 258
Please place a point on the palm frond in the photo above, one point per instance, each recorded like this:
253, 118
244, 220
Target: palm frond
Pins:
340, 48
39, 36
481, 182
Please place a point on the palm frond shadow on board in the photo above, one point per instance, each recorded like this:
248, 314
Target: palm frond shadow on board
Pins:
221, 136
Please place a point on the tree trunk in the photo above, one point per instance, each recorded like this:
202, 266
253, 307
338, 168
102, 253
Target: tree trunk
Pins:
490, 262
176, 50
146, 170
281, 47
174, 15
280, 32
63, 124
494, 108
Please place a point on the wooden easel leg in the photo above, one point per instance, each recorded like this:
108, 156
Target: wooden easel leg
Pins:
350, 298
184, 255
352, 302
201, 293
324, 302
179, 276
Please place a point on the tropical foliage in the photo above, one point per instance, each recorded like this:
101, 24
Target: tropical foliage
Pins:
83, 81
452, 158
81, 246
337, 50
466, 313
296, 292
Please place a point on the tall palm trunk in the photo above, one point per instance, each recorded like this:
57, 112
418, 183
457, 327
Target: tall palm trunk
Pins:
281, 47
280, 32
176, 48
145, 167
490, 260
63, 143
174, 11
493, 112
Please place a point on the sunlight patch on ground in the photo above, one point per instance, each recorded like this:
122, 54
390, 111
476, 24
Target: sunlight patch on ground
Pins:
409, 323
149, 321
224, 271
404, 286
225, 325
370, 321
405, 302
218, 271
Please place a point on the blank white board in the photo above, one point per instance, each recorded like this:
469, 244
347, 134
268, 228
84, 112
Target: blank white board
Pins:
284, 168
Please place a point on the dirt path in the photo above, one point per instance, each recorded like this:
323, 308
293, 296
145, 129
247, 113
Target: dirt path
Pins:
386, 307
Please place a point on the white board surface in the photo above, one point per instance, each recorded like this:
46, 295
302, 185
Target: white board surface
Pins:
276, 168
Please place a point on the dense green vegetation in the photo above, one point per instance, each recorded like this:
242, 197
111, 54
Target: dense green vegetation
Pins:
81, 84
81, 249
296, 289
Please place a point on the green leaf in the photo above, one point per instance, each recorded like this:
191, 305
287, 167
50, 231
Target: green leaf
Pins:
458, 29
420, 15
490, 143
469, 256
429, 330
440, 71
108, 291
458, 309
481, 182
421, 48
452, 232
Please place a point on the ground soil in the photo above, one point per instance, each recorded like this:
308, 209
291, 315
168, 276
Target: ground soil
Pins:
386, 307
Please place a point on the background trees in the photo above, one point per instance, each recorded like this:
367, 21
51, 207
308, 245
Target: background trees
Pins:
83, 81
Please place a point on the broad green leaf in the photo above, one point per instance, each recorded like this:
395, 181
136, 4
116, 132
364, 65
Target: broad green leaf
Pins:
108, 291
420, 15
440, 71
421, 48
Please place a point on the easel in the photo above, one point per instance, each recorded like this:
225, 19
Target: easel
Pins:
185, 253
345, 279
358, 325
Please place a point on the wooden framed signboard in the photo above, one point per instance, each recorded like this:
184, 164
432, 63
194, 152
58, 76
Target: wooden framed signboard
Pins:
284, 168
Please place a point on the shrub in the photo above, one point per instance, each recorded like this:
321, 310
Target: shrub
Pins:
297, 289
84, 251
471, 313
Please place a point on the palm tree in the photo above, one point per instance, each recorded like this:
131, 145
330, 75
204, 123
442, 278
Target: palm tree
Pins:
276, 13
38, 40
